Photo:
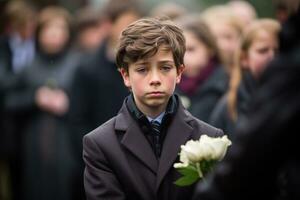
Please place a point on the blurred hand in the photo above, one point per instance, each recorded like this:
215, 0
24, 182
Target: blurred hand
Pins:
54, 101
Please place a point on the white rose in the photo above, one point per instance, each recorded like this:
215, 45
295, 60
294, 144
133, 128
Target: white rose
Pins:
195, 151
219, 145
183, 159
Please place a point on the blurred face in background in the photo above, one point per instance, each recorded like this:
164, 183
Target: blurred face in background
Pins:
121, 23
197, 55
90, 38
261, 52
54, 35
228, 40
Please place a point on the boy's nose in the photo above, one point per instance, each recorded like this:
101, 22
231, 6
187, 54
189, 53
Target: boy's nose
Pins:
154, 79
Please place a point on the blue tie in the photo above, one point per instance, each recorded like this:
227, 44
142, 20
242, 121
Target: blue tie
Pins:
156, 137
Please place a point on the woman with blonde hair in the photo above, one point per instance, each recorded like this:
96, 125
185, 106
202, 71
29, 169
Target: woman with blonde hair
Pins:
258, 47
227, 27
204, 80
263, 162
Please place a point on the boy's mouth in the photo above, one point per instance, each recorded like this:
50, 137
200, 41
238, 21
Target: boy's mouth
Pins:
155, 94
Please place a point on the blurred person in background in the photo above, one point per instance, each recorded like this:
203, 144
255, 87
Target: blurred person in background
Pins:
204, 80
283, 9
17, 49
243, 10
91, 29
97, 89
42, 94
227, 28
17, 46
258, 47
264, 160
171, 10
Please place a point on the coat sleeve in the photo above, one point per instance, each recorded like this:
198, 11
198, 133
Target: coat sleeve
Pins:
100, 181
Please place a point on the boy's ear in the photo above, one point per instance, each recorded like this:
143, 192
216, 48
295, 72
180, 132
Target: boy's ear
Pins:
125, 76
179, 73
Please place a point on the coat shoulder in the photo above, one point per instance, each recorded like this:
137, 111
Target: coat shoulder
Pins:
102, 132
205, 128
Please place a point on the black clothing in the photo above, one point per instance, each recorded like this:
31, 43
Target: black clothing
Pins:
97, 94
220, 117
47, 157
154, 134
264, 160
209, 94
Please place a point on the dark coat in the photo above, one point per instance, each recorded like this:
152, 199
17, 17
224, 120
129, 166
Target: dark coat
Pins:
264, 160
220, 116
120, 163
8, 136
96, 96
5, 54
47, 159
209, 94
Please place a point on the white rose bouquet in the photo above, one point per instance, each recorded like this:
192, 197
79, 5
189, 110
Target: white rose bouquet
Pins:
197, 157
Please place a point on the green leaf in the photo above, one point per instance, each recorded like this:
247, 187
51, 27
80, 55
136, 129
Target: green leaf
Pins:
187, 170
187, 180
190, 176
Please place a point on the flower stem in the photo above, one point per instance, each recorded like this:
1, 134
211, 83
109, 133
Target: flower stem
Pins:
199, 170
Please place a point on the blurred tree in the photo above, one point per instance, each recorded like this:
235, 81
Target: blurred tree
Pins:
2, 19
264, 8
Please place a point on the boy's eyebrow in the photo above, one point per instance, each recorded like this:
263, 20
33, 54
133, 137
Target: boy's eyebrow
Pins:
166, 61
161, 61
141, 62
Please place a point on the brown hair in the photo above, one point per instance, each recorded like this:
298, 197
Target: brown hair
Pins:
19, 13
248, 36
50, 12
201, 30
114, 9
143, 38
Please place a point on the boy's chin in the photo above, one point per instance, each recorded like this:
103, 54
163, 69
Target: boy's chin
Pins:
156, 102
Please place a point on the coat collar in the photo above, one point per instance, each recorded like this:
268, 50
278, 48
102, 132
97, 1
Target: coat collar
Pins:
134, 140
178, 133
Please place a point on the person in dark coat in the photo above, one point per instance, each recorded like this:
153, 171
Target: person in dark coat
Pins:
43, 94
17, 50
204, 80
131, 156
97, 89
258, 47
264, 160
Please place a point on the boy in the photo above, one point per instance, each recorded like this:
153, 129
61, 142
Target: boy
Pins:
128, 157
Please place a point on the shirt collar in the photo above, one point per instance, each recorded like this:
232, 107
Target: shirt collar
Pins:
158, 118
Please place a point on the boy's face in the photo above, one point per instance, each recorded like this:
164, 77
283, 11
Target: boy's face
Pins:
153, 81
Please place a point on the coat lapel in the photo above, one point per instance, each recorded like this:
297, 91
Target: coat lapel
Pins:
179, 132
134, 140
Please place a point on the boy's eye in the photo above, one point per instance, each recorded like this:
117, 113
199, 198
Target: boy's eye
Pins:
141, 69
166, 68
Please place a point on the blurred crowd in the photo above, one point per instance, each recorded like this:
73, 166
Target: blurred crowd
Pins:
58, 81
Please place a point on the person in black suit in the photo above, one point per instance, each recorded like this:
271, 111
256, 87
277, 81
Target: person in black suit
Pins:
131, 156
264, 160
97, 89
17, 50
